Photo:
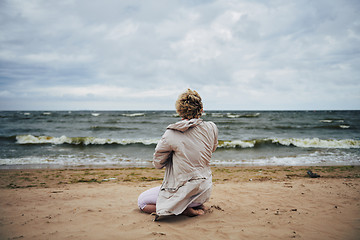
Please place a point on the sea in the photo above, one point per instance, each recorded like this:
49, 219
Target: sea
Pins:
94, 139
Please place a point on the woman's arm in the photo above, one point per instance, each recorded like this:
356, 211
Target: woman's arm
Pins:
216, 132
163, 153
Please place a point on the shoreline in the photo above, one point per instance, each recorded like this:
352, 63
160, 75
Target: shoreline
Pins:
246, 203
43, 178
149, 165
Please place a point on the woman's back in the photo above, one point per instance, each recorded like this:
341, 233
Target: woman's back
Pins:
192, 146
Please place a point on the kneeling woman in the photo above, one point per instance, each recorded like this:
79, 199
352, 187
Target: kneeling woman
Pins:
185, 151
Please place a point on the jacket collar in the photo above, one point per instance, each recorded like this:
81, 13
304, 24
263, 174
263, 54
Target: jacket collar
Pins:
184, 125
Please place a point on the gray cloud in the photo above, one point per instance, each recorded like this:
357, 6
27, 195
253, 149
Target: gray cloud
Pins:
141, 54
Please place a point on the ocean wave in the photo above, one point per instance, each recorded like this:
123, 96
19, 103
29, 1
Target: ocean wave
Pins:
331, 120
237, 143
72, 161
251, 115
294, 142
319, 143
133, 114
342, 126
30, 139
219, 115
224, 144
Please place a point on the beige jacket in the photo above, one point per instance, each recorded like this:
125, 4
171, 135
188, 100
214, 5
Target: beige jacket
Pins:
185, 150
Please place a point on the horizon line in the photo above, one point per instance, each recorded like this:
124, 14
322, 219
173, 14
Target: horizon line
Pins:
167, 110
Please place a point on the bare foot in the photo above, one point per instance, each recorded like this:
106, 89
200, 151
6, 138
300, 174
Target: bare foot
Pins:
203, 207
150, 208
191, 212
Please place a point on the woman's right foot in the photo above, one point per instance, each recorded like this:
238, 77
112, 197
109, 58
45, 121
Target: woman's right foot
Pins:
191, 212
203, 207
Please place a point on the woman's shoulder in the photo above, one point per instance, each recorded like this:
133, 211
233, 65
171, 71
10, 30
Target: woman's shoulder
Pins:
210, 123
210, 126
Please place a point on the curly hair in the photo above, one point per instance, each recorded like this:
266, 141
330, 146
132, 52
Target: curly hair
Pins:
189, 105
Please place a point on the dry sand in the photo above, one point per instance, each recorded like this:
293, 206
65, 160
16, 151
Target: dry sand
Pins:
246, 203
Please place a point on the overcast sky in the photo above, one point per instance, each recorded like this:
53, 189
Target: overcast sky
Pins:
139, 55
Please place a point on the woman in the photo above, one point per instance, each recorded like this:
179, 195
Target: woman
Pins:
185, 151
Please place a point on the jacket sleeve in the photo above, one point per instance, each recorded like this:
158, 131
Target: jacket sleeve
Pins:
216, 133
163, 153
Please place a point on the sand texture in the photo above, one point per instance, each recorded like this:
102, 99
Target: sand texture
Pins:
246, 203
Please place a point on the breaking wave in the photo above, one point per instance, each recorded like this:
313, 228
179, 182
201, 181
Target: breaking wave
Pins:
133, 114
30, 139
294, 142
254, 115
224, 144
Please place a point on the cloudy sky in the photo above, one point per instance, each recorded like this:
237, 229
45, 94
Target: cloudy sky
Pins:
139, 55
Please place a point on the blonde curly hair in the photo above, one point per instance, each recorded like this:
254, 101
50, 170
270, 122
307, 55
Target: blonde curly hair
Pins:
189, 105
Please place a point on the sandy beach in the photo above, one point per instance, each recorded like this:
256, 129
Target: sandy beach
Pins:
246, 203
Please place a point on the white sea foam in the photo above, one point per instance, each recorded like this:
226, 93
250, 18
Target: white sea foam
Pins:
229, 115
30, 139
217, 115
237, 143
326, 121
318, 143
133, 114
313, 159
250, 115
73, 160
331, 120
303, 143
